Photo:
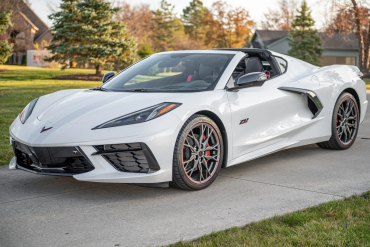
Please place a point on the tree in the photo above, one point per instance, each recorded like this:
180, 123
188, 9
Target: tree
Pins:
306, 41
353, 16
165, 25
183, 41
227, 27
344, 21
247, 40
280, 18
360, 34
5, 47
63, 28
138, 20
145, 50
193, 16
92, 36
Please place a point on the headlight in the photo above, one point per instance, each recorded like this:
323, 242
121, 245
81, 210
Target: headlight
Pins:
27, 111
140, 116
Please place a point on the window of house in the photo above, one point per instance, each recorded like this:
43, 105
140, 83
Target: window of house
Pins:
21, 35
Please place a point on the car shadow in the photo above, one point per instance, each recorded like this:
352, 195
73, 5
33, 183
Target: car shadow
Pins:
21, 186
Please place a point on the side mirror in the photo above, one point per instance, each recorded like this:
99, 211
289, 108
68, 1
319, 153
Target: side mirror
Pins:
107, 76
255, 79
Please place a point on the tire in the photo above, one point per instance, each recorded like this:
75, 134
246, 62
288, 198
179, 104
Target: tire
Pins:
195, 164
345, 122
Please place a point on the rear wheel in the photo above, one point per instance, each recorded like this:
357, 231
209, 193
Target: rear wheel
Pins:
345, 123
198, 154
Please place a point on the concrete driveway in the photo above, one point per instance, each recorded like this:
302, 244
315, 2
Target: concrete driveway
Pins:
55, 211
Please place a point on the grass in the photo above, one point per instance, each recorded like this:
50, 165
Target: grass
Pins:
337, 223
20, 85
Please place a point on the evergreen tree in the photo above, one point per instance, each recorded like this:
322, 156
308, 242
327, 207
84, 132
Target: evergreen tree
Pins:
193, 18
92, 35
247, 40
5, 47
166, 24
145, 50
64, 30
306, 41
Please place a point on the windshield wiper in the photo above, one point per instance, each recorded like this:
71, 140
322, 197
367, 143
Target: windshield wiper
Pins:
99, 89
141, 90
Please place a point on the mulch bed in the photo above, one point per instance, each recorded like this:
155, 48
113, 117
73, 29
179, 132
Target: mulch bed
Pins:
4, 70
85, 77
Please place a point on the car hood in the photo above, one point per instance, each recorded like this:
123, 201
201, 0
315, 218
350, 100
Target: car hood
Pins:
69, 116
96, 107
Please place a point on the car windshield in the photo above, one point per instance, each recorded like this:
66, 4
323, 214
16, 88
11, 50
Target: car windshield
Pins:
176, 72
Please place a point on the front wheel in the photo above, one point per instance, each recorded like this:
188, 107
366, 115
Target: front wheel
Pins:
198, 154
345, 123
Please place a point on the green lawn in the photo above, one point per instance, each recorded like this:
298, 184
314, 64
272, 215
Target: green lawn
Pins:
337, 223
22, 84
367, 80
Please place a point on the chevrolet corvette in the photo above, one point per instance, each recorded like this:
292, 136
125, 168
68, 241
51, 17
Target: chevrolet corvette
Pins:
176, 118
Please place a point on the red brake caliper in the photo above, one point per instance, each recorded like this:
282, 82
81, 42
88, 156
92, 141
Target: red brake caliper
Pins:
207, 152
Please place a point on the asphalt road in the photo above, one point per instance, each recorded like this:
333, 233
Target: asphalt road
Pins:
54, 211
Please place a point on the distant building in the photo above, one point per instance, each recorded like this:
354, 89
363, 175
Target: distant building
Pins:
339, 48
28, 32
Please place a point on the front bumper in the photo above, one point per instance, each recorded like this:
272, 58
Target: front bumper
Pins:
159, 144
97, 168
158, 135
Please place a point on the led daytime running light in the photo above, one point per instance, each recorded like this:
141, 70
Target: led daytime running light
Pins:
140, 116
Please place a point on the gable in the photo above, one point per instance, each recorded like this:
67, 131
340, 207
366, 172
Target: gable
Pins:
281, 46
268, 37
30, 17
20, 21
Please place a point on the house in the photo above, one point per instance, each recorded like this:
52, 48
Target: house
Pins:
27, 33
339, 48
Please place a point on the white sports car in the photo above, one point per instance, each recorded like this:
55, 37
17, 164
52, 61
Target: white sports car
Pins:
179, 117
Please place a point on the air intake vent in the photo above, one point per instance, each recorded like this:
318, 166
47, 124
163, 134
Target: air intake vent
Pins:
64, 161
314, 103
129, 157
311, 105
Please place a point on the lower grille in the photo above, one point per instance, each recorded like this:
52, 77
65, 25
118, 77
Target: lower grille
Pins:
65, 161
130, 157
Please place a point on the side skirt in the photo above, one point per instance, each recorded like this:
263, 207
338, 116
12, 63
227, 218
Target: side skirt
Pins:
261, 152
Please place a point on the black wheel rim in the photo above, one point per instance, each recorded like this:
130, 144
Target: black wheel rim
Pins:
346, 123
201, 153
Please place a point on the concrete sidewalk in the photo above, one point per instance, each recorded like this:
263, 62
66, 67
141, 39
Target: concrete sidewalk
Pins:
55, 211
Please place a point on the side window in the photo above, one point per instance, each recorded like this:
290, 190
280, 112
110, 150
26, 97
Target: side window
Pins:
268, 69
240, 68
282, 64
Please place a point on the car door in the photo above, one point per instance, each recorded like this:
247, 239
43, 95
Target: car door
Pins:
262, 115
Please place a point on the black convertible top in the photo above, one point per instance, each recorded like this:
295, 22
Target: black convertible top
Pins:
266, 53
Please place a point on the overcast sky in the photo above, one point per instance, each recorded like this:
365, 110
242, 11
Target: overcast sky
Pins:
256, 8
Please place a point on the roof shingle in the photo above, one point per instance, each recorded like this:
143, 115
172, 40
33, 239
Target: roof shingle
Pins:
331, 41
